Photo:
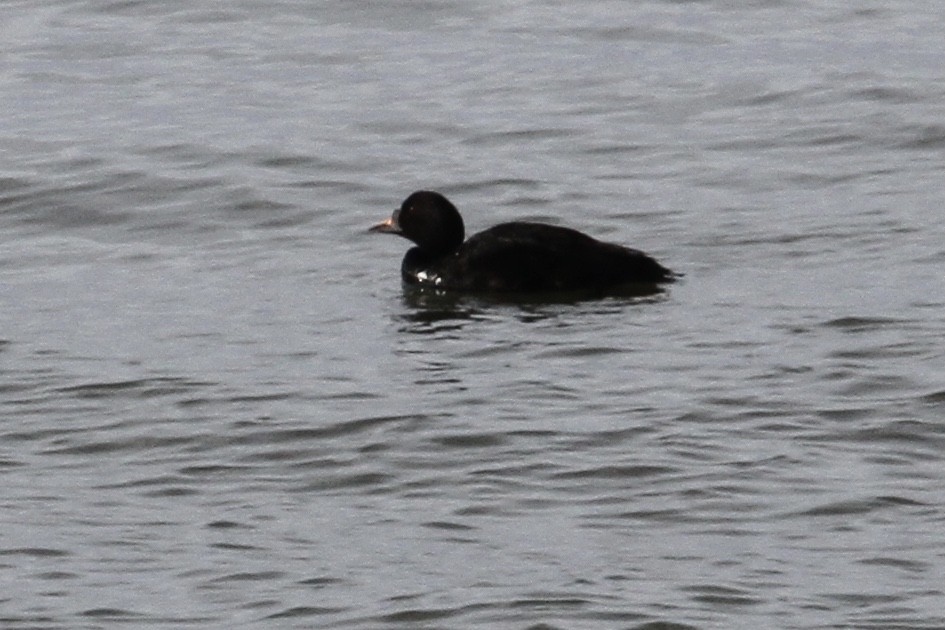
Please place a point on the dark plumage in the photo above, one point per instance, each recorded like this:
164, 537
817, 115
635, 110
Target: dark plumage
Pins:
510, 257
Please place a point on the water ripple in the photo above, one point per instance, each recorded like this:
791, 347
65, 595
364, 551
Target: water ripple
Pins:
216, 393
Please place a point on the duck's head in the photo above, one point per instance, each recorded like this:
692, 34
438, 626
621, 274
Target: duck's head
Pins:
428, 219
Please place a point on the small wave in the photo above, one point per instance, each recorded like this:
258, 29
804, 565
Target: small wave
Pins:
860, 506
647, 35
137, 388
296, 612
35, 552
863, 324
616, 472
922, 137
111, 614
723, 595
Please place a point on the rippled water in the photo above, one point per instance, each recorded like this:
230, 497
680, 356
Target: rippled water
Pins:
221, 409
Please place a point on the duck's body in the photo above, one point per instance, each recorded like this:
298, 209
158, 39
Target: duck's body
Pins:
514, 257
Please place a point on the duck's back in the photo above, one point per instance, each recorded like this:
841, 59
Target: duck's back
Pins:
524, 256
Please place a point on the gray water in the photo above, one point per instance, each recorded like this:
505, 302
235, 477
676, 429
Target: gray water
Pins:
219, 408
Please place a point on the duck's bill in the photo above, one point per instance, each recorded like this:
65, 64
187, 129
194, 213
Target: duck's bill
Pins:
389, 226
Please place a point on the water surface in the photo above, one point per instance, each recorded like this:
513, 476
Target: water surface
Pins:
220, 408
